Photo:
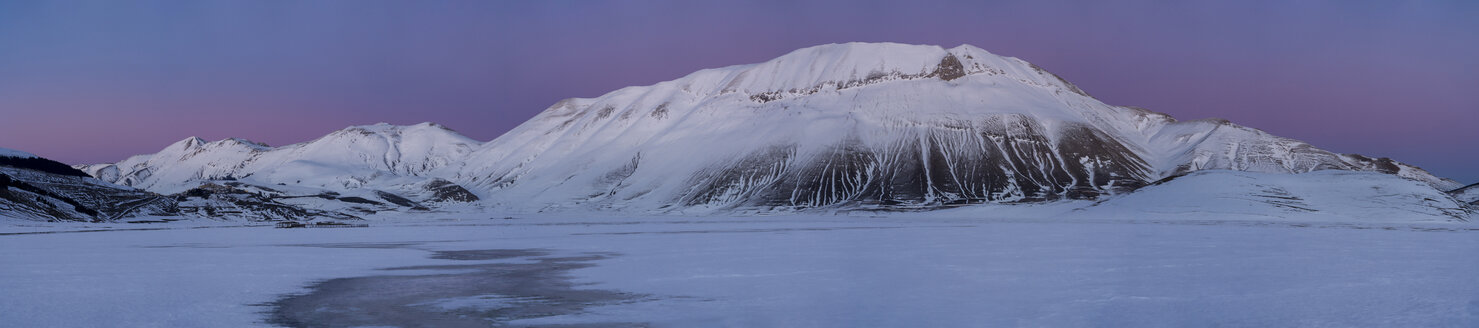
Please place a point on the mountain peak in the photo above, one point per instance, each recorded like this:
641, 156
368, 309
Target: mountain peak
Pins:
377, 127
387, 128
861, 60
242, 141
187, 143
842, 66
863, 52
836, 63
195, 143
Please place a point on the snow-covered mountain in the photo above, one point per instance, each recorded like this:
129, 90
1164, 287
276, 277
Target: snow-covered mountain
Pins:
857, 125
866, 125
379, 156
33, 188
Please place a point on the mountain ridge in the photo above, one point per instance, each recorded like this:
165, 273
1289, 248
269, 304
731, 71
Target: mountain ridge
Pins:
852, 125
345, 158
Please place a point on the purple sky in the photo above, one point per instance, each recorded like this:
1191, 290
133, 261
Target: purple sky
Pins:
96, 81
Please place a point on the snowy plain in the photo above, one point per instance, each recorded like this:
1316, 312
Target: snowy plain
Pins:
794, 271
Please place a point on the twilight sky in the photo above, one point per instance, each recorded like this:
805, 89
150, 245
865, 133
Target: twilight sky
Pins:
97, 81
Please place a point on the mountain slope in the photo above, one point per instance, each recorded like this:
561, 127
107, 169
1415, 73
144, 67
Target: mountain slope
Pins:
1221, 145
1469, 193
864, 125
39, 189
1330, 195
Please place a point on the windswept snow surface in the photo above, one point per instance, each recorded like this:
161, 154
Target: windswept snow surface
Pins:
783, 271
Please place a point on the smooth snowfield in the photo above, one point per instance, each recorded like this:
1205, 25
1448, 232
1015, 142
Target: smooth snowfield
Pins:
801, 271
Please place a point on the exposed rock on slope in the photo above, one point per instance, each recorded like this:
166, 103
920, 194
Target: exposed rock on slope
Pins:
1468, 194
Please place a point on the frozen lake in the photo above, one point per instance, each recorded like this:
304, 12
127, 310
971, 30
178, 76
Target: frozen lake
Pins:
746, 272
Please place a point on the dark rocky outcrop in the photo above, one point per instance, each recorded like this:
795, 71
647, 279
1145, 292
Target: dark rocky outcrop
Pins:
446, 191
398, 200
950, 68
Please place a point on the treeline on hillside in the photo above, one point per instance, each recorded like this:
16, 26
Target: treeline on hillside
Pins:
41, 164
6, 182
